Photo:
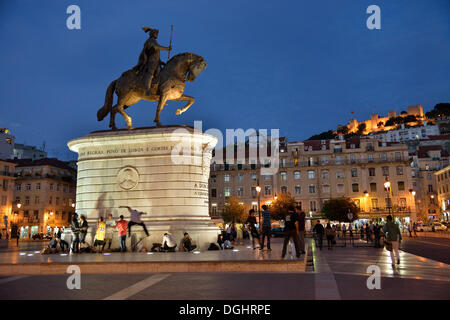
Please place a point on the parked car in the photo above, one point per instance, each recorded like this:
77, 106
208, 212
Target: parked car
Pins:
439, 226
424, 228
37, 236
277, 232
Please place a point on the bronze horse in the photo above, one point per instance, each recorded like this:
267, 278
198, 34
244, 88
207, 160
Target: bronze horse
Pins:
130, 88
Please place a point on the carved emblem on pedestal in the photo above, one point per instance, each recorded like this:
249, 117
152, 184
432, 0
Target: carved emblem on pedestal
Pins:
127, 178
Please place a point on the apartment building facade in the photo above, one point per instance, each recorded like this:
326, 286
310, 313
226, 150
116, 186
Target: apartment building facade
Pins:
6, 194
443, 181
317, 170
44, 195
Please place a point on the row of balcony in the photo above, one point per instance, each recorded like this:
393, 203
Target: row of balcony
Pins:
48, 176
6, 174
291, 164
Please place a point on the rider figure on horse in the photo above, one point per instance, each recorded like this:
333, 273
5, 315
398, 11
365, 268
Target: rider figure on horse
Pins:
149, 63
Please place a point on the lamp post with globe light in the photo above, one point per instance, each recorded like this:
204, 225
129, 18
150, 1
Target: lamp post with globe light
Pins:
387, 186
258, 189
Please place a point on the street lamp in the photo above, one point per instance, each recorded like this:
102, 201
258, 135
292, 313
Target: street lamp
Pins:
387, 186
366, 194
258, 189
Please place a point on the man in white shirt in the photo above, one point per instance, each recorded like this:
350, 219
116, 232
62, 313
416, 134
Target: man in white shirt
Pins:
168, 242
110, 227
135, 219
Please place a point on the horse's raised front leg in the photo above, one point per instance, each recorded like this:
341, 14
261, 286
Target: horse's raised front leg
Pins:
190, 103
162, 102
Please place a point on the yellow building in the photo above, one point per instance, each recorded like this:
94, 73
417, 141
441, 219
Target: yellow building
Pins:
443, 181
6, 194
44, 195
317, 170
426, 162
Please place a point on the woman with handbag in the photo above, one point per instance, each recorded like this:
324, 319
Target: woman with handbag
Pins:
393, 237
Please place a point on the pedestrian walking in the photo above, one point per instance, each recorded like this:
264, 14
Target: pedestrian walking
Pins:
266, 228
135, 219
393, 238
377, 236
319, 231
410, 230
251, 224
415, 229
368, 233
330, 234
291, 232
110, 226
344, 230
233, 233
75, 228
122, 226
17, 238
301, 228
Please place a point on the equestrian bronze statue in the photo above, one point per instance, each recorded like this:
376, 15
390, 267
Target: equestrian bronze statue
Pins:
150, 81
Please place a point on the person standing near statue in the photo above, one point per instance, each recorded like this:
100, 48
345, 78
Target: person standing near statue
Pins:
266, 228
122, 226
99, 242
301, 228
110, 226
149, 60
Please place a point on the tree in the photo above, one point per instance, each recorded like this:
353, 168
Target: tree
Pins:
337, 209
439, 111
361, 128
342, 129
279, 208
234, 211
323, 136
380, 124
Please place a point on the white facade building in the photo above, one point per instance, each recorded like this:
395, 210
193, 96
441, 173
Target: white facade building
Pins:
406, 134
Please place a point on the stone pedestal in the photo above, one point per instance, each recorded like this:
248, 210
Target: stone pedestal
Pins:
161, 171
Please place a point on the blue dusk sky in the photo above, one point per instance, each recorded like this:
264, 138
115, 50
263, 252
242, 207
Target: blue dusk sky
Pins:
299, 66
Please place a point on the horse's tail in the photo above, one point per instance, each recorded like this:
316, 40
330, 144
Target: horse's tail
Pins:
109, 97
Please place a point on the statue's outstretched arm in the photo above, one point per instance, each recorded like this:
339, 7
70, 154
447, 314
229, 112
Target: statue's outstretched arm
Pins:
161, 48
